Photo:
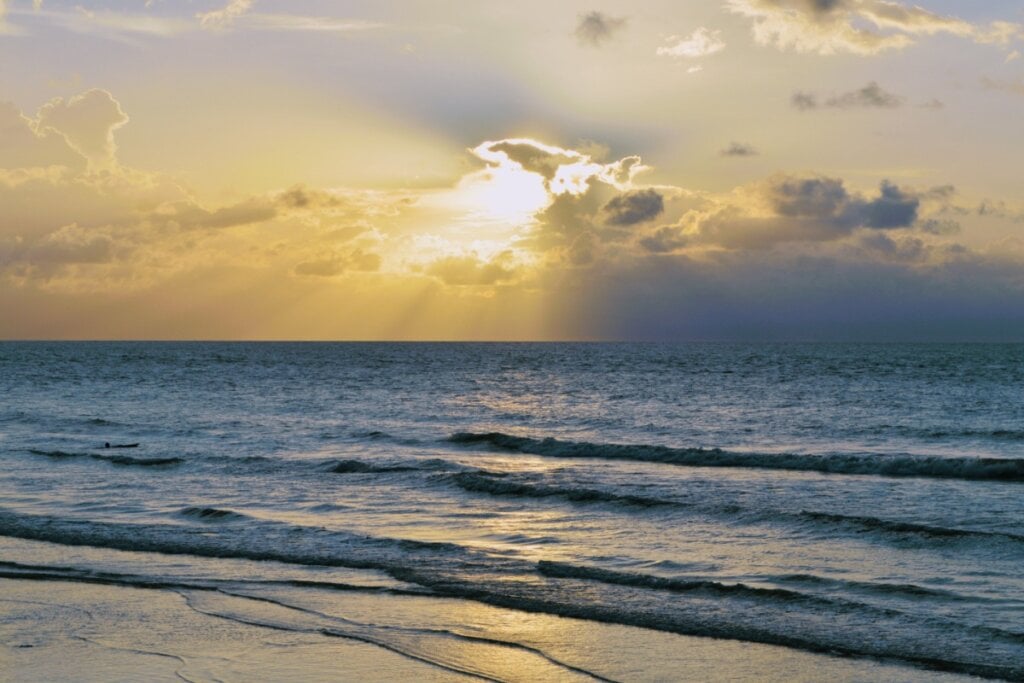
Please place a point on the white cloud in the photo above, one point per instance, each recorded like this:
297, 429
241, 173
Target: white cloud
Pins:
856, 26
222, 18
87, 122
701, 43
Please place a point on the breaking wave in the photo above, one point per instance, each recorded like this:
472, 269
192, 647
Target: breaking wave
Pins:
976, 469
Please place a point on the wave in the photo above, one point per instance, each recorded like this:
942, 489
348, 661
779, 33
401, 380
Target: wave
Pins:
273, 541
971, 469
208, 514
495, 483
874, 524
58, 454
905, 590
773, 616
371, 434
941, 434
360, 467
122, 460
571, 571
132, 461
102, 422
259, 463
504, 484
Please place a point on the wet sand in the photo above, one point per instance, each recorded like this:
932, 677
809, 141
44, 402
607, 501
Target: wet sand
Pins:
71, 631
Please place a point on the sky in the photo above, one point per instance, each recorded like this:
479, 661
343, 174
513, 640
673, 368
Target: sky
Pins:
738, 170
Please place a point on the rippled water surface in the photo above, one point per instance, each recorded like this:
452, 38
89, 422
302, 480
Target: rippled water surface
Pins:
848, 499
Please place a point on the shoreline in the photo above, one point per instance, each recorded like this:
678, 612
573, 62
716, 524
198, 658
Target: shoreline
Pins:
125, 633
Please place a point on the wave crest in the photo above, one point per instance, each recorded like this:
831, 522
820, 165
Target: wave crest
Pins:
971, 469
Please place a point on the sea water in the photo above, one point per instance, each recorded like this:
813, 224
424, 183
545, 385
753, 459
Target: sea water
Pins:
856, 500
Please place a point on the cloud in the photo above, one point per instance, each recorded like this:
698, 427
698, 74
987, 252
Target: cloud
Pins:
189, 215
1012, 87
317, 24
6, 28
126, 26
787, 209
336, 264
67, 245
600, 254
116, 25
701, 43
863, 27
665, 239
886, 290
470, 270
595, 28
804, 101
22, 145
73, 218
739, 149
536, 158
631, 208
87, 122
563, 170
224, 17
871, 96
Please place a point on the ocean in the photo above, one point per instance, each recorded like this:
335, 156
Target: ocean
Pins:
515, 511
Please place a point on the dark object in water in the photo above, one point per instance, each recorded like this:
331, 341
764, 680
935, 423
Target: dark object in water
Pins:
120, 445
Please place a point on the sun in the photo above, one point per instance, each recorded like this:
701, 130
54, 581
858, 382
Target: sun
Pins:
506, 194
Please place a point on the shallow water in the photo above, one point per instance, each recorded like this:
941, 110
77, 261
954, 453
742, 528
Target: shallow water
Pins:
857, 500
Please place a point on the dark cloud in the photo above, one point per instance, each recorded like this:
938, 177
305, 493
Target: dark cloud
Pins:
906, 250
893, 208
826, 200
884, 290
804, 101
739, 149
870, 96
533, 158
665, 239
806, 209
827, 5
815, 197
635, 207
596, 28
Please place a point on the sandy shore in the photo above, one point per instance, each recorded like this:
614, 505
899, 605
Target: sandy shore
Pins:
71, 631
